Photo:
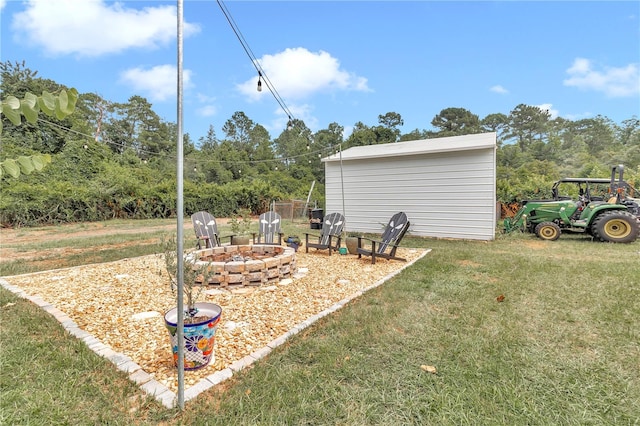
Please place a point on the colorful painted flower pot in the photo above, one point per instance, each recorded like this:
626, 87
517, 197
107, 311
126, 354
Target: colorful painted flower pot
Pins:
199, 336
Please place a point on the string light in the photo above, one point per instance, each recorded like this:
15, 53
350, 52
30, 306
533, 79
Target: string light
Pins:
261, 76
328, 149
261, 73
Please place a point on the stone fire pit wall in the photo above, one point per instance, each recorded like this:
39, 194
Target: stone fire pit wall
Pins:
260, 264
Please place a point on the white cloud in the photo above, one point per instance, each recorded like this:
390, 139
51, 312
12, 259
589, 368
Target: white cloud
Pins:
548, 107
204, 98
348, 130
95, 27
580, 116
298, 73
613, 82
207, 111
302, 112
207, 106
2, 4
158, 83
499, 89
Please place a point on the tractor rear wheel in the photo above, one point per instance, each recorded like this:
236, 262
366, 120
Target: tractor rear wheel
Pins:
616, 227
549, 231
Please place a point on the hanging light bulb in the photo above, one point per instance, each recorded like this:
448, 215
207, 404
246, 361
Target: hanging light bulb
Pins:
259, 81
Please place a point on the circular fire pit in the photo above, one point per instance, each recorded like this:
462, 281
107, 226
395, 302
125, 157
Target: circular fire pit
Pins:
246, 265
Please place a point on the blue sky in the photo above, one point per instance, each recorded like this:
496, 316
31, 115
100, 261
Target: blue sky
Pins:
338, 61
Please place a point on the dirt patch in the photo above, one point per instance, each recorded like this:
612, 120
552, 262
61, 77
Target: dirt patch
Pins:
56, 258
536, 244
14, 236
469, 263
12, 239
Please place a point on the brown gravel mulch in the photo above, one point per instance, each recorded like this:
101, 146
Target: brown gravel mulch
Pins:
122, 304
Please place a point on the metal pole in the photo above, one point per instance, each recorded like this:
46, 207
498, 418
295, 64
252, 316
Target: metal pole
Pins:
342, 183
306, 205
179, 212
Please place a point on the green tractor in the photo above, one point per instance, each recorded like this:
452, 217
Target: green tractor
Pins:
612, 218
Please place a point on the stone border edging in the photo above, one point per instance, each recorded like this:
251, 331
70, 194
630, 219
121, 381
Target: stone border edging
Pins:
156, 389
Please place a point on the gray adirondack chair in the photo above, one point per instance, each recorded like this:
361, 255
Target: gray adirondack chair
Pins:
330, 236
269, 229
390, 239
206, 228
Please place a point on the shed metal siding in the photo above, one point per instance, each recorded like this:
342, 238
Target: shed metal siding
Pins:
449, 193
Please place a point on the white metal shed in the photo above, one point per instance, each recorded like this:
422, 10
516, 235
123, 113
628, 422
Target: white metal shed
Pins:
446, 186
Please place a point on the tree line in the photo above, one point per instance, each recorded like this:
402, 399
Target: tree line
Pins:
117, 160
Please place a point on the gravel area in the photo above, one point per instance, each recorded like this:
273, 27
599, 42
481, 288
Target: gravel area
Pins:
122, 304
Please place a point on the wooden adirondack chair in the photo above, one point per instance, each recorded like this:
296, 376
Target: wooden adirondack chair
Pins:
391, 237
269, 231
331, 234
206, 229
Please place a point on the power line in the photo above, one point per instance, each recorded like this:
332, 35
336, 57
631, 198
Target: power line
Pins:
261, 72
261, 75
321, 151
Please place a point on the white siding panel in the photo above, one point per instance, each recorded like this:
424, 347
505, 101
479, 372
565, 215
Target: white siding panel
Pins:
445, 194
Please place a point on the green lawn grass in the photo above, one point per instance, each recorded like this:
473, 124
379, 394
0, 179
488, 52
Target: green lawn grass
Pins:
563, 347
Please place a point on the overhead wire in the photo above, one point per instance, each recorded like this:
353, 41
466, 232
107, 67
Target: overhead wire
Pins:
200, 161
255, 61
261, 75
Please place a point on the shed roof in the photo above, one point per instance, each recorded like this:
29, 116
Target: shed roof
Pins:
423, 146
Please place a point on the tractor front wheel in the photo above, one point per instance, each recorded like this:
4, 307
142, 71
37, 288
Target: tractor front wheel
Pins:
549, 231
616, 227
